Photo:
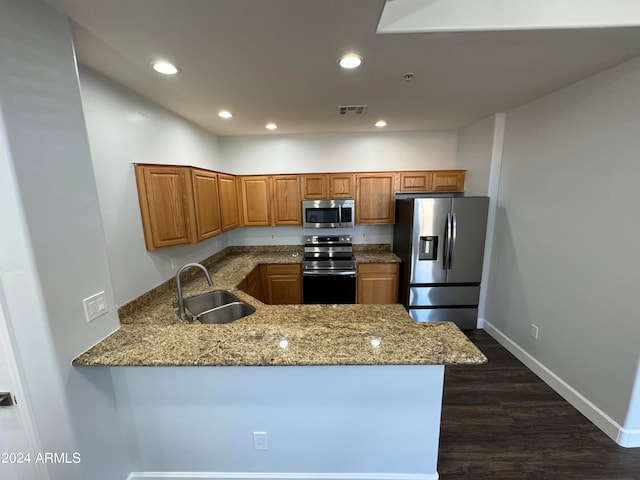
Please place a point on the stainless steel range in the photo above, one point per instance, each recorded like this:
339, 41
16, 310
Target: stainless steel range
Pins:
328, 270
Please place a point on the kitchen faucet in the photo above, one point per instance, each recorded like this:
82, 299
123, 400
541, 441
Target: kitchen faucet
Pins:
181, 312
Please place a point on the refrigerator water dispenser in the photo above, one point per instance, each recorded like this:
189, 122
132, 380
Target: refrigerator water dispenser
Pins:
428, 248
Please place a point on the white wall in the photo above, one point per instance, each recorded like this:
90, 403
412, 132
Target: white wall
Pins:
320, 420
565, 251
475, 148
480, 153
125, 128
348, 152
52, 249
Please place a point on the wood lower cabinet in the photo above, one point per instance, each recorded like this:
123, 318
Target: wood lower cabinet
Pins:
284, 284
229, 212
377, 283
274, 284
207, 203
166, 205
375, 202
253, 284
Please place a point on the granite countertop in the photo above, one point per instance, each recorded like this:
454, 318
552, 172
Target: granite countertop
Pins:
152, 335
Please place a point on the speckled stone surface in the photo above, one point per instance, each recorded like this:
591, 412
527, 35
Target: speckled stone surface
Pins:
152, 335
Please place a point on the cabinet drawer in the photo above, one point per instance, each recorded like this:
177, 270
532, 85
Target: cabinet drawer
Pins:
377, 268
289, 269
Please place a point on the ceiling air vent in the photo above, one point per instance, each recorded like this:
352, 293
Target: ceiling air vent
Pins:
351, 110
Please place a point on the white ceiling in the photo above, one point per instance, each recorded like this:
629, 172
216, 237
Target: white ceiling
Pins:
275, 60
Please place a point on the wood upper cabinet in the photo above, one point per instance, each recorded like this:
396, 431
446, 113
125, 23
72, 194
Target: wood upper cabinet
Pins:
166, 205
414, 181
286, 207
375, 203
342, 185
448, 181
377, 283
255, 199
315, 186
271, 200
431, 181
206, 202
328, 185
228, 191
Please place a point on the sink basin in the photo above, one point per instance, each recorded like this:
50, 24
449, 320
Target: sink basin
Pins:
218, 306
226, 313
208, 301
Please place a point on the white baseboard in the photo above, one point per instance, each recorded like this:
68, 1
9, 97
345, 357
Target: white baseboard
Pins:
623, 437
480, 324
277, 476
629, 438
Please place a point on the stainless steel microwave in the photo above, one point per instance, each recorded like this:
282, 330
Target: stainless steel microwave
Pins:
328, 213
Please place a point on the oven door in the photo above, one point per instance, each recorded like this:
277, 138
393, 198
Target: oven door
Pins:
322, 287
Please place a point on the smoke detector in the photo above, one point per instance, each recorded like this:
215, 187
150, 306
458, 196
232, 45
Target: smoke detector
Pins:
350, 110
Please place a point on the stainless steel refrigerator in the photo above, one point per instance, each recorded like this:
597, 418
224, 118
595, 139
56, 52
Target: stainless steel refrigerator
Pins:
441, 243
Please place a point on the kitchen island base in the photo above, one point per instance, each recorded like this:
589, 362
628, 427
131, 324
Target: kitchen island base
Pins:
321, 422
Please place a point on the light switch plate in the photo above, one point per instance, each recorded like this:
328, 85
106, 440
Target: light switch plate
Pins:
95, 306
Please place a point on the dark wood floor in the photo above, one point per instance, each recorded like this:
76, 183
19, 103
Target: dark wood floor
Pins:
501, 422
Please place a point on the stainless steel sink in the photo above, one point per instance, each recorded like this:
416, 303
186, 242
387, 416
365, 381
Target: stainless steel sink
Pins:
218, 306
226, 313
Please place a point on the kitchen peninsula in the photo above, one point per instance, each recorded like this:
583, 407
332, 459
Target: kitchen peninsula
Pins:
342, 391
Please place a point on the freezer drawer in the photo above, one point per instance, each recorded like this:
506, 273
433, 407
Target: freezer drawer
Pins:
464, 318
444, 296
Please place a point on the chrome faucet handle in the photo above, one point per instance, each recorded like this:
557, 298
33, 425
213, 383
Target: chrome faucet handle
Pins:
180, 307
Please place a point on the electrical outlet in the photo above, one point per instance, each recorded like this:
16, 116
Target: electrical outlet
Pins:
260, 441
174, 262
95, 306
533, 332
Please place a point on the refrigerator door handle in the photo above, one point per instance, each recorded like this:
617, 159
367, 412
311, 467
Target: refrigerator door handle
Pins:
454, 235
447, 243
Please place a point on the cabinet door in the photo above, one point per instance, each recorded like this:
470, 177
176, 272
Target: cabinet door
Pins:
286, 204
206, 203
166, 205
375, 198
255, 201
229, 214
342, 185
414, 181
314, 187
284, 284
378, 283
448, 181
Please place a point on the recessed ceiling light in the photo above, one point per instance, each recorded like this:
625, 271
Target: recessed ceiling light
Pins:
381, 123
350, 60
225, 114
271, 126
165, 68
